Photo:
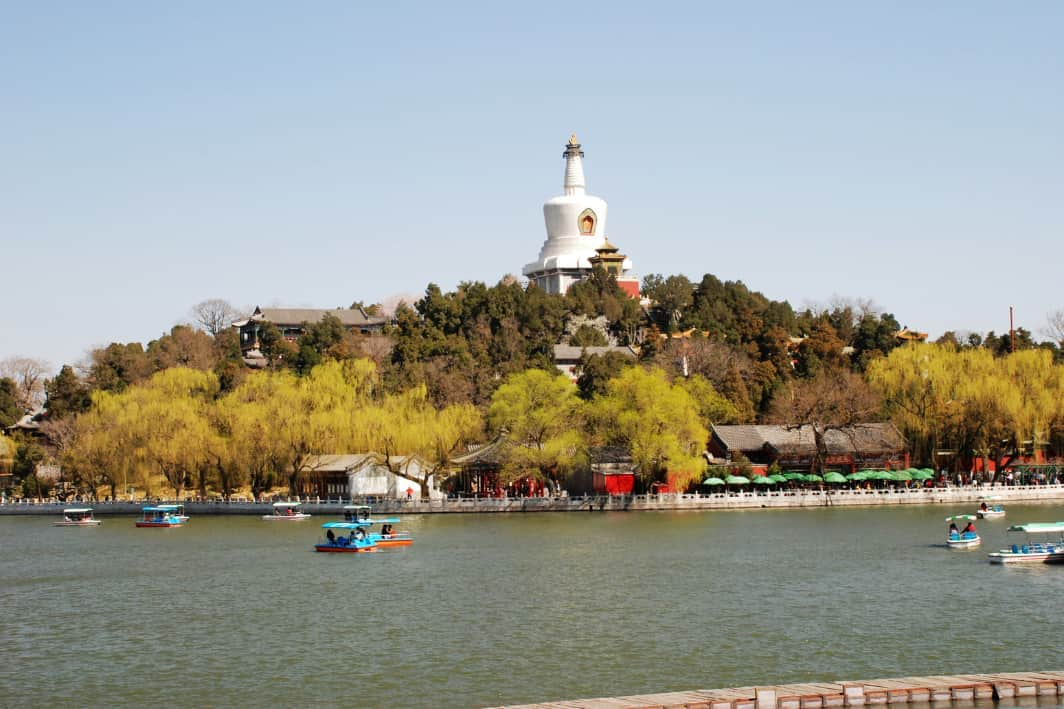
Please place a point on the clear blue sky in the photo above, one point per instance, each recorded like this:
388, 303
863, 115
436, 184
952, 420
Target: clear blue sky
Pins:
153, 155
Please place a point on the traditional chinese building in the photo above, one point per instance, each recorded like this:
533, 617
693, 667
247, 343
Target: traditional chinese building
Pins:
567, 357
866, 445
292, 323
576, 236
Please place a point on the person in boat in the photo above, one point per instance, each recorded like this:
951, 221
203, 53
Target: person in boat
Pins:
330, 536
359, 534
953, 532
386, 530
983, 507
970, 529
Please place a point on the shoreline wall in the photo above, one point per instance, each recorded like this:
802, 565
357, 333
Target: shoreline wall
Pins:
783, 499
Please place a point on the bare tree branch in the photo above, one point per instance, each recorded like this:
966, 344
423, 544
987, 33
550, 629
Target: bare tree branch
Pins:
215, 315
29, 375
1055, 326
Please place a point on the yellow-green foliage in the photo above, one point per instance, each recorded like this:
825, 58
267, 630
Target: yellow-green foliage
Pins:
657, 421
174, 430
542, 415
969, 399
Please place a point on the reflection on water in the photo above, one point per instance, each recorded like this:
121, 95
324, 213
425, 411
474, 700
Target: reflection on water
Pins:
492, 609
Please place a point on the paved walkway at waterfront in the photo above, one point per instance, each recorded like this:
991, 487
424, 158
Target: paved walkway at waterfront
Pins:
775, 499
817, 695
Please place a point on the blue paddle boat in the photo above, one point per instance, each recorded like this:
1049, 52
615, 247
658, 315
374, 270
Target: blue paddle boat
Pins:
345, 538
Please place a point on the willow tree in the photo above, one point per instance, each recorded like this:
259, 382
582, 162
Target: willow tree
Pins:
917, 383
542, 416
171, 427
1038, 405
971, 401
106, 445
313, 413
657, 421
415, 438
245, 418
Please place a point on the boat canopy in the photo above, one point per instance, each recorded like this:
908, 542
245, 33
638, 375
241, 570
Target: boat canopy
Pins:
961, 518
287, 504
158, 508
383, 520
1038, 527
77, 510
168, 508
344, 525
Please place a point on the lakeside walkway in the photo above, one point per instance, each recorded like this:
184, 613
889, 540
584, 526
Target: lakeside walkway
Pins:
962, 689
776, 499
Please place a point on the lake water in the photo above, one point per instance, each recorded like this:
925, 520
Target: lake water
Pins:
502, 609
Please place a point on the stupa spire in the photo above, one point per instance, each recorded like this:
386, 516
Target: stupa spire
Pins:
574, 168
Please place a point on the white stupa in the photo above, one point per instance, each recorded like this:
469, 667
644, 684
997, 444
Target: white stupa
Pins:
576, 229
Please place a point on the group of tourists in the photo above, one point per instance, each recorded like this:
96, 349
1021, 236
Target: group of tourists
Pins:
357, 535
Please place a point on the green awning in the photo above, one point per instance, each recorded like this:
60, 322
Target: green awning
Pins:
736, 480
834, 477
712, 481
813, 478
763, 480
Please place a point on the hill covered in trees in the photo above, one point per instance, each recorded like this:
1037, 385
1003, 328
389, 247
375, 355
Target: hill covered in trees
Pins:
725, 353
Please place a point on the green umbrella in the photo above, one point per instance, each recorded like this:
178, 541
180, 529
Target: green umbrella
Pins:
859, 475
902, 475
794, 476
813, 478
920, 474
882, 475
778, 479
763, 480
834, 477
736, 480
712, 481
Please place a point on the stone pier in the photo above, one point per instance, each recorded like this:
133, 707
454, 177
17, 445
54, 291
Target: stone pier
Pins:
817, 695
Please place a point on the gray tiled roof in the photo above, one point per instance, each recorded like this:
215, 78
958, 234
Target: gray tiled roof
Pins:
740, 437
572, 353
862, 438
610, 454
493, 453
298, 316
341, 462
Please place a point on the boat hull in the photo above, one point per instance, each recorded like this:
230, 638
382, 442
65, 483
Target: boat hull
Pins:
1008, 557
963, 543
83, 523
336, 549
159, 524
286, 518
990, 514
397, 542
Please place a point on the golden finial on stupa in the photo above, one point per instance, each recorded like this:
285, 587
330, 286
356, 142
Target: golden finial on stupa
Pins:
572, 139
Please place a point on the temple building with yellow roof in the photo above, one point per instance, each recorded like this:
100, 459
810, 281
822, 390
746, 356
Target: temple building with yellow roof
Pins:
576, 236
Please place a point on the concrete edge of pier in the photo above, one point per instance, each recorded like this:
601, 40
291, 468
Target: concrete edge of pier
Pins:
819, 695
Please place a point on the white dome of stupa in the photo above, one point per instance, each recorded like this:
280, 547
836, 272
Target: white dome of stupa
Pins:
576, 226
